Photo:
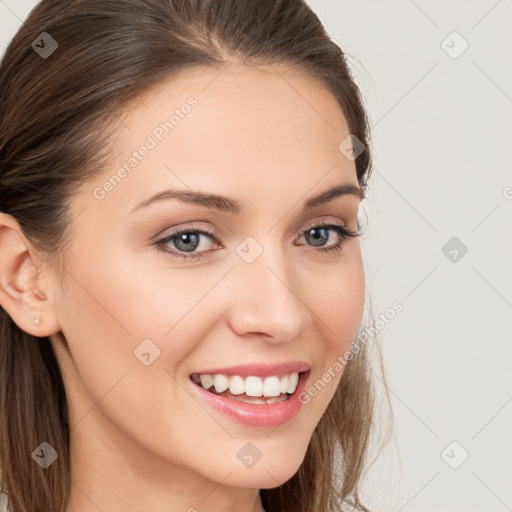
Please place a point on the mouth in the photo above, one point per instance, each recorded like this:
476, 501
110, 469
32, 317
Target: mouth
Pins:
252, 389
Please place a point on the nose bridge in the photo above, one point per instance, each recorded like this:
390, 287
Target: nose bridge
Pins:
267, 298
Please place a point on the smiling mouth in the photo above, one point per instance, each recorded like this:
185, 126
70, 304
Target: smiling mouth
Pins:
251, 390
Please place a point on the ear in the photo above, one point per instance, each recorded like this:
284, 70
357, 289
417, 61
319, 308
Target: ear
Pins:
24, 294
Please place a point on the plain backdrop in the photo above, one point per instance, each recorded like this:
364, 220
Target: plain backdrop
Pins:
437, 82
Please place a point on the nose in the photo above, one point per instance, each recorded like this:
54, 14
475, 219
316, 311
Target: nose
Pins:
268, 298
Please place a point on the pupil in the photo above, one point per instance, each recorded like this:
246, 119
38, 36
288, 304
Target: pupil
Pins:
184, 238
318, 236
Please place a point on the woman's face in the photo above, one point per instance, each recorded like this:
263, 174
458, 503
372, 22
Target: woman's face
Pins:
138, 319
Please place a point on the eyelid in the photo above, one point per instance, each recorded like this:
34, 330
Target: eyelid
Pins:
326, 221
341, 228
216, 233
212, 231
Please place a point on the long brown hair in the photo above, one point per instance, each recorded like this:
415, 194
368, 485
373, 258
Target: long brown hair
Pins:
56, 114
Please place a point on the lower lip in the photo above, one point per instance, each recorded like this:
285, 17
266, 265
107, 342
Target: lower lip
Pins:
256, 415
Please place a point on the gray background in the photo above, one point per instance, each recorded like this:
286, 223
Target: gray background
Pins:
441, 142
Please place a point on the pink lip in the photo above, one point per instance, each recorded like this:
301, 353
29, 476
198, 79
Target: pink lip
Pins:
259, 369
256, 415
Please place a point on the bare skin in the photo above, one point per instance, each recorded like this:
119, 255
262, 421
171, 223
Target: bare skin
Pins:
140, 439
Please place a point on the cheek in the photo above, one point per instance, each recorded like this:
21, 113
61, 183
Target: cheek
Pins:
351, 301
338, 302
128, 306
106, 313
108, 310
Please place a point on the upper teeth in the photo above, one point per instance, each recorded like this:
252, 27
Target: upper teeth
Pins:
252, 386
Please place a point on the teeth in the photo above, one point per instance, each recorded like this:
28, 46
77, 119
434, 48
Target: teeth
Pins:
221, 383
292, 382
284, 384
252, 386
206, 381
236, 385
272, 386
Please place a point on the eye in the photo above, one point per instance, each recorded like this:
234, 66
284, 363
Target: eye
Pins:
187, 240
319, 232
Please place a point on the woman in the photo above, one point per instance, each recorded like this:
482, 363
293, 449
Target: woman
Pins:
180, 265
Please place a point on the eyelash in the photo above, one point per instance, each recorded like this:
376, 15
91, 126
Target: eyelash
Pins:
342, 231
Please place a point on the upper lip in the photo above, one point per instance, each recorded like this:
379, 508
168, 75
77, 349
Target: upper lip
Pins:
259, 369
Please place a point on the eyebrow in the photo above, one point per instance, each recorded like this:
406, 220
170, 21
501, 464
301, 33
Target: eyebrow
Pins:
233, 206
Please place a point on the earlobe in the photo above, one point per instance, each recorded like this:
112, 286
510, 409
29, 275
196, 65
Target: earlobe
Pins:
23, 293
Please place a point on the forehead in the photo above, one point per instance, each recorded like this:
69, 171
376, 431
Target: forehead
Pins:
265, 129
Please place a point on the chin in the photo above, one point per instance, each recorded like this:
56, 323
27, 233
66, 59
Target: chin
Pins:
260, 480
273, 473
